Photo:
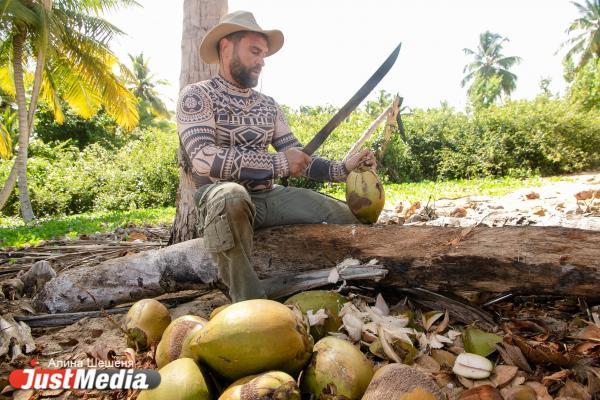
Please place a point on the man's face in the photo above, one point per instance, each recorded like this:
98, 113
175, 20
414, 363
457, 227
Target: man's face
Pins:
247, 59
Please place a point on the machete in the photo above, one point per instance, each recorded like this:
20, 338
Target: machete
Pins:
358, 97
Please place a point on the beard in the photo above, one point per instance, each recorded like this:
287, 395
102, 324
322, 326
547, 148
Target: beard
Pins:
242, 74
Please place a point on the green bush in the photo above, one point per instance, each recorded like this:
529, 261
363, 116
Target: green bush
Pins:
64, 180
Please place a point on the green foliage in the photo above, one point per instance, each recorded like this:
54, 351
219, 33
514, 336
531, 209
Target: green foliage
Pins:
81, 132
484, 91
585, 85
65, 180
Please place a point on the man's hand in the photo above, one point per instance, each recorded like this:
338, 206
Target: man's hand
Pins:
297, 160
364, 157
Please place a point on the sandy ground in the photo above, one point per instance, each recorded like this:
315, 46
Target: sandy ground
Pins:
573, 203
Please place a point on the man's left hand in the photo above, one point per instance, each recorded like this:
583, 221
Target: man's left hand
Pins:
362, 158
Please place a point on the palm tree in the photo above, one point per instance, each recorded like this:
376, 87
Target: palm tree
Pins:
67, 42
198, 18
587, 41
143, 84
489, 61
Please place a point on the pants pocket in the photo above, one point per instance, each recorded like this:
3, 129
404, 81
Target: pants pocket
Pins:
216, 229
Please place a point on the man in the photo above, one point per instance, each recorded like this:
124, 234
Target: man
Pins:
225, 128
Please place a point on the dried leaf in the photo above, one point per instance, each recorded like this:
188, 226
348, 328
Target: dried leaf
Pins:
137, 236
443, 357
590, 332
458, 212
502, 375
532, 196
69, 343
585, 195
587, 348
542, 354
428, 363
444, 324
466, 382
513, 355
559, 376
575, 390
412, 210
102, 352
540, 390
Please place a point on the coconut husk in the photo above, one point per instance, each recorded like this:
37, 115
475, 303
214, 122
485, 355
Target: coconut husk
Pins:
395, 380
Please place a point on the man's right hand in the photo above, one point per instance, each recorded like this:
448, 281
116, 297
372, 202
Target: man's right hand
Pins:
297, 160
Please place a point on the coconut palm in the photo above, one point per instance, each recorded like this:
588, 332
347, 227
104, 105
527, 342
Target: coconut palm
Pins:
489, 61
143, 84
198, 18
67, 42
587, 27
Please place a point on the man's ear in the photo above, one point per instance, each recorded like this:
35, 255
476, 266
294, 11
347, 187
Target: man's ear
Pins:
224, 45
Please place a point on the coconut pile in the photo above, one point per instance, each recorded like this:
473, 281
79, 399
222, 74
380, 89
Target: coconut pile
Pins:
321, 344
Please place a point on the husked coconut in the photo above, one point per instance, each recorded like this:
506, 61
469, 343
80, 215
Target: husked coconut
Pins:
275, 385
365, 195
181, 379
145, 323
315, 300
170, 345
337, 365
253, 336
396, 380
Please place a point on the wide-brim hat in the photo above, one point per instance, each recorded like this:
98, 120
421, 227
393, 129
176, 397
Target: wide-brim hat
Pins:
235, 22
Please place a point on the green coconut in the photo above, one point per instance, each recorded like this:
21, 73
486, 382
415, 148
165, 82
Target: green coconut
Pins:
145, 323
330, 302
337, 365
251, 337
275, 385
171, 343
365, 195
180, 379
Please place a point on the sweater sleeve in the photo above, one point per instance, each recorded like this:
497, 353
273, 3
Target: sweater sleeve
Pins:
197, 130
319, 168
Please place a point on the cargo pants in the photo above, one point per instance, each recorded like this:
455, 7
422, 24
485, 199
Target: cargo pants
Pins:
228, 215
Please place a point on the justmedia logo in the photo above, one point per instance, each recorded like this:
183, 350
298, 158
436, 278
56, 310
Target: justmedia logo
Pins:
83, 378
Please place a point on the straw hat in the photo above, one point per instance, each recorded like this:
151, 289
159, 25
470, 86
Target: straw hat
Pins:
235, 22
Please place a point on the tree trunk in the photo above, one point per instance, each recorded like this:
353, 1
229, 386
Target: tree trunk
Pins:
21, 162
9, 185
530, 260
198, 18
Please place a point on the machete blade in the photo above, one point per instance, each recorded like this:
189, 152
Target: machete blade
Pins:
358, 97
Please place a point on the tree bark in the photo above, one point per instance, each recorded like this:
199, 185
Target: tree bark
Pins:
8, 186
529, 260
21, 162
198, 18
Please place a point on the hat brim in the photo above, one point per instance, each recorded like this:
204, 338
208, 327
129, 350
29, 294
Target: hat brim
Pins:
208, 47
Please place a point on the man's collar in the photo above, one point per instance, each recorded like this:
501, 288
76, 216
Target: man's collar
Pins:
230, 86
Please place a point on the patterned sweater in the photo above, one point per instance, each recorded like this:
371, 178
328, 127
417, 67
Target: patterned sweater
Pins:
226, 130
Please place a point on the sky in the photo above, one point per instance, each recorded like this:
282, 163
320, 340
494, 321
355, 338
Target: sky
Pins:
333, 46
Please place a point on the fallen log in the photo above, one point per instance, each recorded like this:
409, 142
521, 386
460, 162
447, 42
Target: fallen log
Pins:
527, 260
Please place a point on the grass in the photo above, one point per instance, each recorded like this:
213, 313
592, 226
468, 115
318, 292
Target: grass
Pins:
396, 192
13, 233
